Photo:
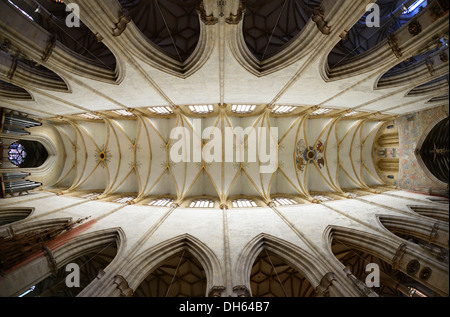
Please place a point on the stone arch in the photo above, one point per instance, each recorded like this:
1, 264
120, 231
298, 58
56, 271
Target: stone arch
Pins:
11, 215
25, 75
292, 16
431, 211
395, 46
420, 67
296, 257
145, 45
424, 230
51, 141
438, 131
57, 254
430, 87
158, 20
27, 224
12, 92
146, 262
361, 37
57, 45
86, 243
398, 255
299, 46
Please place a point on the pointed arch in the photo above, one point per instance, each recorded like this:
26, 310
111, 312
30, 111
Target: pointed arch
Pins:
245, 37
423, 229
420, 67
13, 92
430, 87
434, 140
63, 250
173, 40
431, 211
150, 259
394, 46
76, 50
394, 251
11, 215
25, 76
299, 259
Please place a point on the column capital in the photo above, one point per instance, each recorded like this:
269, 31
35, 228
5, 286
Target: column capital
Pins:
241, 291
323, 288
122, 285
216, 291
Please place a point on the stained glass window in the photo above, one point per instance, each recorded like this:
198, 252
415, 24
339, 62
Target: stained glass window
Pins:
17, 154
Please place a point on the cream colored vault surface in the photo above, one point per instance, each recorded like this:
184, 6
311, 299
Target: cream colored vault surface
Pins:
122, 160
134, 156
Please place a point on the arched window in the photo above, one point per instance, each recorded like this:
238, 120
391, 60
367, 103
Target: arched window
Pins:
202, 203
241, 109
283, 109
432, 212
321, 198
320, 112
443, 97
439, 200
244, 203
163, 202
91, 196
202, 109
124, 200
280, 201
123, 113
173, 25
163, 110
10, 91
52, 17
11, 215
428, 235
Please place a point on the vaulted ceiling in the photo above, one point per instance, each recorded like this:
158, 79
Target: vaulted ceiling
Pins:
136, 156
137, 54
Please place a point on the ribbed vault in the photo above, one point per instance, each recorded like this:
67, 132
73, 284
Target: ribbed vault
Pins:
269, 25
435, 151
362, 37
136, 156
80, 39
173, 25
